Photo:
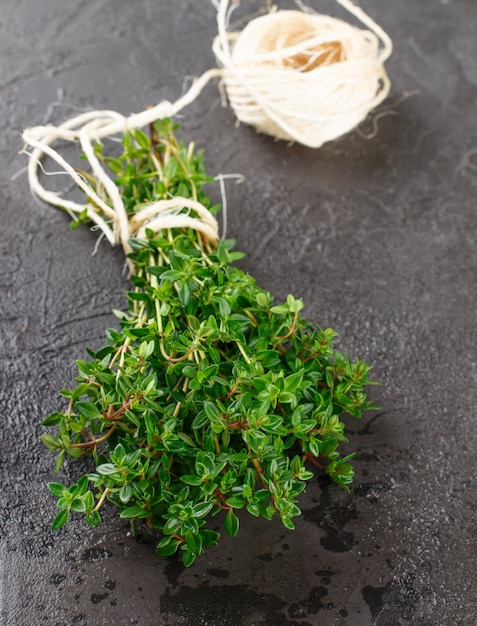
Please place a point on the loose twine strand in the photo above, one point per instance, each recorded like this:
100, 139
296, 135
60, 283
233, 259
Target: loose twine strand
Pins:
296, 75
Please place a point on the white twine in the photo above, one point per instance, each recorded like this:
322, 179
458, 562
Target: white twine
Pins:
302, 76
110, 217
295, 75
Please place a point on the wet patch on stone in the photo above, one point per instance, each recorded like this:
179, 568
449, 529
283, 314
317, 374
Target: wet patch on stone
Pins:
142, 539
110, 584
96, 598
217, 572
96, 554
324, 572
372, 490
229, 605
332, 518
366, 428
395, 603
311, 605
173, 570
368, 457
373, 596
325, 576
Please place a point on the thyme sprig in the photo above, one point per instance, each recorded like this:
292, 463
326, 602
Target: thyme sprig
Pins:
208, 397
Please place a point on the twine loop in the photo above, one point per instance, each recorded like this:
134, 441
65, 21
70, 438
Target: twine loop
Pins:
109, 215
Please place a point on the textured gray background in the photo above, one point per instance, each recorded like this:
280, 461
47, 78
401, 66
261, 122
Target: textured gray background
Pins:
377, 234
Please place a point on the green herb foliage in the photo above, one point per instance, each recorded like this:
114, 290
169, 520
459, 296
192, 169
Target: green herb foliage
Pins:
209, 398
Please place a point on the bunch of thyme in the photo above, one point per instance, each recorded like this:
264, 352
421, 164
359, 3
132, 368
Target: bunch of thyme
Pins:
209, 397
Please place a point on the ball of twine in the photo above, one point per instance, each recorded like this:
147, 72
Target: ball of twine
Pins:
302, 76
295, 75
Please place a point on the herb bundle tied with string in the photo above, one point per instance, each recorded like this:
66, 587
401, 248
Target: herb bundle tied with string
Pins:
208, 398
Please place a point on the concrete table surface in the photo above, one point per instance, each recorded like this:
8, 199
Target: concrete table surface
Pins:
377, 231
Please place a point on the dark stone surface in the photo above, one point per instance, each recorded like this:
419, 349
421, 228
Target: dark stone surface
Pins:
378, 234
